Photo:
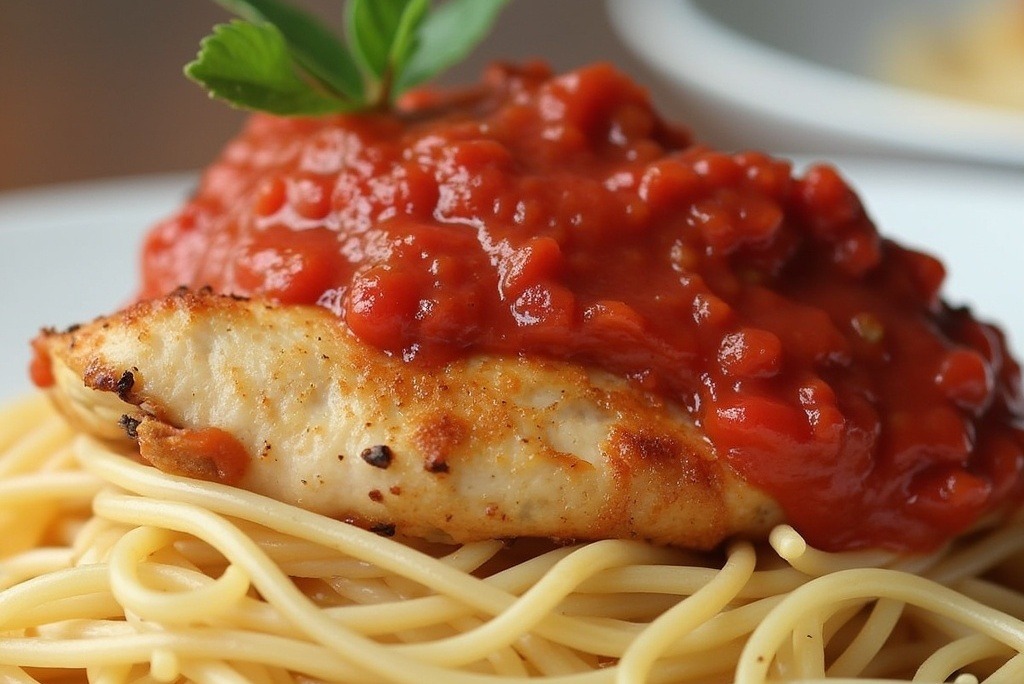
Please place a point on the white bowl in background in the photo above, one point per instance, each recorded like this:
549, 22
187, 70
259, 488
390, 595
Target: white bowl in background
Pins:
796, 75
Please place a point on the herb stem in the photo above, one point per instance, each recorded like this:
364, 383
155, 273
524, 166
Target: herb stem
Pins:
382, 101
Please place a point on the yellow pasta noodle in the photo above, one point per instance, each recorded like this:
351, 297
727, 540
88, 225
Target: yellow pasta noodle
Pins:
111, 571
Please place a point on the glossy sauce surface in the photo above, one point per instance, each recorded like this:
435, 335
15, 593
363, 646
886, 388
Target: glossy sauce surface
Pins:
560, 216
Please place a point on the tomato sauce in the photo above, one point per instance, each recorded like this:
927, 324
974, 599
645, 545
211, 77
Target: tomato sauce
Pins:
560, 216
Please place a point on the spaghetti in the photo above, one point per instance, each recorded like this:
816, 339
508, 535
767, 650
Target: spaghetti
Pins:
111, 571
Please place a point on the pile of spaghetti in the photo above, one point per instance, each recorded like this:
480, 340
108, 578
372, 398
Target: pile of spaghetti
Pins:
112, 571
529, 310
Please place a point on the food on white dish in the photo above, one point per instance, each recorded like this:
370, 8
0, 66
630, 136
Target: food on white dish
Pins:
512, 381
978, 57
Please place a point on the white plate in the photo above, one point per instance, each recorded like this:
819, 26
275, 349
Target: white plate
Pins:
70, 253
796, 75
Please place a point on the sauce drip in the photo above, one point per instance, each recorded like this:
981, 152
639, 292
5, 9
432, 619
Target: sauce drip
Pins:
560, 216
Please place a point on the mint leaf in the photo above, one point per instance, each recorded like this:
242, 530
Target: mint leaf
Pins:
312, 44
407, 36
372, 25
249, 66
383, 35
285, 61
446, 36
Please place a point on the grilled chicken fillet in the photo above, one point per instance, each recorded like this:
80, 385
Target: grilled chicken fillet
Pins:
286, 402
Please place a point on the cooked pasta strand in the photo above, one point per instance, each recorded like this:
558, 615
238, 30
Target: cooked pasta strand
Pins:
169, 579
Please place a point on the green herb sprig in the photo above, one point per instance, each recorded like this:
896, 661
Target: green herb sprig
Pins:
277, 58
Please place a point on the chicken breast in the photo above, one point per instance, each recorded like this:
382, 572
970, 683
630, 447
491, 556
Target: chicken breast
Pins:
286, 402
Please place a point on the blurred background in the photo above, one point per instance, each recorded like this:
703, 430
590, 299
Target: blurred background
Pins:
94, 89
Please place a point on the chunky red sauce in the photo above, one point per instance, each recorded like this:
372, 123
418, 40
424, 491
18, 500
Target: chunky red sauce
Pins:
561, 217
